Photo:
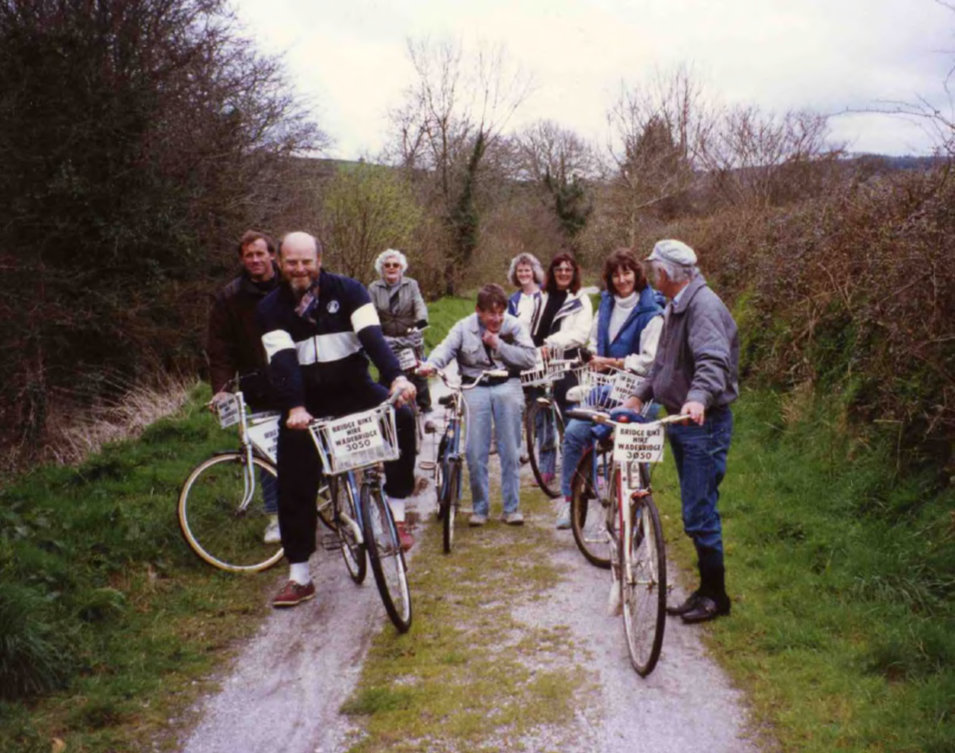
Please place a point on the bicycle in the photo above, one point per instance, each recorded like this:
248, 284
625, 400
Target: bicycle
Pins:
408, 363
448, 460
634, 532
591, 483
543, 422
362, 442
221, 509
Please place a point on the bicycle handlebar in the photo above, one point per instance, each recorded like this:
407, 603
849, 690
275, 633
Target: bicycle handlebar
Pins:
603, 417
487, 373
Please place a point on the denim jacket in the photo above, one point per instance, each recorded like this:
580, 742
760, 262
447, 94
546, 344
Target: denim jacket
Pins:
515, 350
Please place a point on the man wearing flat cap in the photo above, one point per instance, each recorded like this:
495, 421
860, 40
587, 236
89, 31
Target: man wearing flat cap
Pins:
695, 374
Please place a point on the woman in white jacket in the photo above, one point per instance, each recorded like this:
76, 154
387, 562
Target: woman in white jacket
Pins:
563, 323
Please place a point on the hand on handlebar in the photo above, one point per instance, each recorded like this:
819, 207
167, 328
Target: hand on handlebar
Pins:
426, 369
695, 411
218, 398
633, 403
404, 389
299, 418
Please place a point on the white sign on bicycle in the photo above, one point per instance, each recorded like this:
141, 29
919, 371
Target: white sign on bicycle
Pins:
642, 443
624, 385
228, 411
265, 436
354, 434
407, 359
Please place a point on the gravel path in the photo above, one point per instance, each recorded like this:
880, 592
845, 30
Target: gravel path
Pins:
284, 690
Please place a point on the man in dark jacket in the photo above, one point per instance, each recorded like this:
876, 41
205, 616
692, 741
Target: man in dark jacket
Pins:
695, 374
319, 330
234, 343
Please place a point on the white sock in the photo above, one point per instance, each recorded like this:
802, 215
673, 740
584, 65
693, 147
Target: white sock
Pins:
397, 509
298, 571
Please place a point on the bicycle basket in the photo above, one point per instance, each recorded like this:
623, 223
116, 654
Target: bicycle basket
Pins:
594, 389
357, 440
546, 370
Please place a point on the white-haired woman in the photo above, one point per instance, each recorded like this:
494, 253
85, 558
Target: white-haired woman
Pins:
527, 275
402, 312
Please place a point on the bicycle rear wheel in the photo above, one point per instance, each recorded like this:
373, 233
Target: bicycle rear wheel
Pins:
222, 513
387, 559
450, 504
545, 438
644, 582
588, 511
347, 527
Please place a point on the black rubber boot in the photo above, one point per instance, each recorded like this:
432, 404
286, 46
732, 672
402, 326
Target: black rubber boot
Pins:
712, 600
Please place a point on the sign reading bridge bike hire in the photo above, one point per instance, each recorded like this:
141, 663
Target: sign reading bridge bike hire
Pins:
642, 443
354, 434
228, 411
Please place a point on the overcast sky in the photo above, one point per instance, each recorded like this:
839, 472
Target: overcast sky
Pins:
348, 58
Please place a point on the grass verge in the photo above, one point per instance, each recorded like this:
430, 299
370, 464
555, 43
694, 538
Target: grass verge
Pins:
107, 618
842, 576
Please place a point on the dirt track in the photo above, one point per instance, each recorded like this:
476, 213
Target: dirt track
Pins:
284, 691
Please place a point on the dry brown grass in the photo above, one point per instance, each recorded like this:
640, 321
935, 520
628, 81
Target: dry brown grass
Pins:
74, 432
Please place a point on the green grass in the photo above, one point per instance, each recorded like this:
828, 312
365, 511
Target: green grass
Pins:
842, 575
106, 616
442, 315
469, 675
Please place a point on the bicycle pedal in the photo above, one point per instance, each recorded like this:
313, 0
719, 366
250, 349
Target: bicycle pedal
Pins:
331, 542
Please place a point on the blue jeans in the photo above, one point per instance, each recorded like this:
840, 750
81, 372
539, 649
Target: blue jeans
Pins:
700, 456
502, 405
577, 437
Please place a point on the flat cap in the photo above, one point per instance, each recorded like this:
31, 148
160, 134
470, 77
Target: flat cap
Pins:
676, 252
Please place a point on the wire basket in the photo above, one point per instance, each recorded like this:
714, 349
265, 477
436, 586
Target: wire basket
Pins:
357, 440
546, 370
603, 390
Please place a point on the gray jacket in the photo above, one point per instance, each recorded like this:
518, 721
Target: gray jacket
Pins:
698, 356
515, 350
410, 308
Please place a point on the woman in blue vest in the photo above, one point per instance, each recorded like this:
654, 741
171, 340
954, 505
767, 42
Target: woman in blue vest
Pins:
625, 336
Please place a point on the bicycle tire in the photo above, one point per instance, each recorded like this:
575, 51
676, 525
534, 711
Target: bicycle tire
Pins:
441, 474
548, 413
352, 545
451, 506
387, 559
644, 586
213, 521
588, 514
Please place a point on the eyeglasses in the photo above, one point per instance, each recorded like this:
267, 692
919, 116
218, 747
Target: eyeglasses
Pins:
568, 270
392, 265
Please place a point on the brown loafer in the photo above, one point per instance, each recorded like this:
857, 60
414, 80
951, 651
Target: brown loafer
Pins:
293, 594
404, 536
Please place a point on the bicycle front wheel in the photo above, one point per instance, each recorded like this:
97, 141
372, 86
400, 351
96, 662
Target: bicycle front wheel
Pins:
545, 438
450, 505
588, 509
222, 513
643, 576
387, 559
348, 528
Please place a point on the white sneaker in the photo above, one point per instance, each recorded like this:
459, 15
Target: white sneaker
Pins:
614, 600
563, 517
272, 533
